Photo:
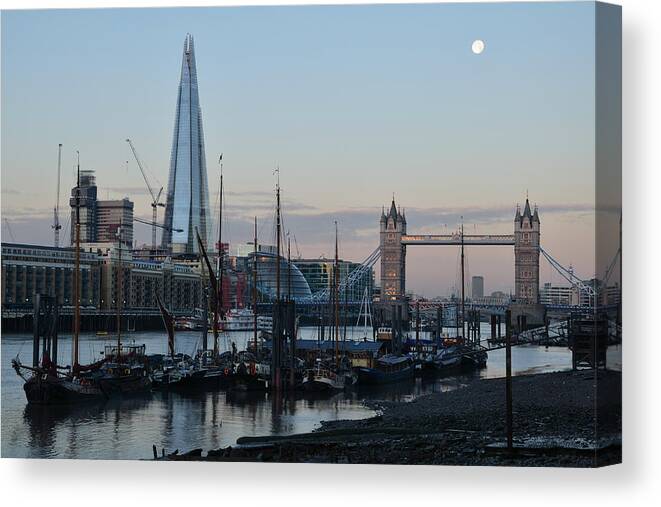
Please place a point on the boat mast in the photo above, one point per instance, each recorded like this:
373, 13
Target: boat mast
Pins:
337, 302
254, 289
277, 237
463, 298
218, 307
119, 292
288, 267
76, 276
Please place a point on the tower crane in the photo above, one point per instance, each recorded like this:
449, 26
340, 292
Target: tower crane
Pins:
9, 230
155, 197
56, 210
154, 225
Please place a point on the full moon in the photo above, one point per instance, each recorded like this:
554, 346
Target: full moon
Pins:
478, 46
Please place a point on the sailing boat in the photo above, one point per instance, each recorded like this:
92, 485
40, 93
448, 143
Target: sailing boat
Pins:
337, 376
46, 383
124, 372
458, 354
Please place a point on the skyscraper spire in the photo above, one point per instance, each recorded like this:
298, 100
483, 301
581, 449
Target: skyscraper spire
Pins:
187, 205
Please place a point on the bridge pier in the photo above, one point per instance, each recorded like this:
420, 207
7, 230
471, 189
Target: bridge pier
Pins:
526, 316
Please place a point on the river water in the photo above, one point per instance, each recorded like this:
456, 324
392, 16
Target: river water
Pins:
127, 429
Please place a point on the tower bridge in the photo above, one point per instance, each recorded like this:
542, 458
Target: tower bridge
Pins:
525, 239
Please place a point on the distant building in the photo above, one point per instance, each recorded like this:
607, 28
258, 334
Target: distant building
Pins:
113, 216
572, 295
99, 220
477, 284
187, 205
84, 198
31, 269
551, 294
178, 284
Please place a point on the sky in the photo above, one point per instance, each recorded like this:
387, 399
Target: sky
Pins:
353, 103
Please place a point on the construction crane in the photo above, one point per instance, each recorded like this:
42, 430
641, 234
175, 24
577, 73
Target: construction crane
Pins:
154, 225
56, 210
11, 233
155, 197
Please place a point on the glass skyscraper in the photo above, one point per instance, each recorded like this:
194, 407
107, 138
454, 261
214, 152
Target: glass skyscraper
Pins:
187, 205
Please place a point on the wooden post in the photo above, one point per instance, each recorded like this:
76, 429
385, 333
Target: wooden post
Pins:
508, 378
477, 325
291, 331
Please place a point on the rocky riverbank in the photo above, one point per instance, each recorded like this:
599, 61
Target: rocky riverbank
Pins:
554, 425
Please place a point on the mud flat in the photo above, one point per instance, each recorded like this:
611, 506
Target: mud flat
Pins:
554, 425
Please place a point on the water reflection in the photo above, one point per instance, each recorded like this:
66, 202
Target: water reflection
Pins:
127, 429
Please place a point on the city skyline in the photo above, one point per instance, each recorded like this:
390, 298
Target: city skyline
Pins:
346, 130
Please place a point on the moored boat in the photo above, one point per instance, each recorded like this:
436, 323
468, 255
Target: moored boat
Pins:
388, 368
324, 379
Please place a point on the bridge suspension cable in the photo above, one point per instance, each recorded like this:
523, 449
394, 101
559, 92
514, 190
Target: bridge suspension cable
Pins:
567, 274
355, 275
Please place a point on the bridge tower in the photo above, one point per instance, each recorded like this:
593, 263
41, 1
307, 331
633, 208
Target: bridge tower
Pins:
526, 255
393, 254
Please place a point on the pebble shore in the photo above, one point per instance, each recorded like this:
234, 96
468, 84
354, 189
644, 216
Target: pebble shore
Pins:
560, 419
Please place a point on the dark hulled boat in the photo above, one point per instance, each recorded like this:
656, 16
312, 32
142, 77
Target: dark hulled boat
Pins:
124, 374
46, 386
387, 369
47, 382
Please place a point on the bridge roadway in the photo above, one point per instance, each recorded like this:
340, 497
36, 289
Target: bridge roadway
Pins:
455, 239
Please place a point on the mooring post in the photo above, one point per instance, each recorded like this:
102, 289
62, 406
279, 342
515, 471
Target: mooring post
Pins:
508, 377
56, 321
440, 320
477, 324
493, 326
291, 331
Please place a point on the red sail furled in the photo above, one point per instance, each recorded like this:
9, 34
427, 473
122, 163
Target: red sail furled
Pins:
169, 325
212, 276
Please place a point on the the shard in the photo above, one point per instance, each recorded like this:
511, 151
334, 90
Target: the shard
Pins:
187, 205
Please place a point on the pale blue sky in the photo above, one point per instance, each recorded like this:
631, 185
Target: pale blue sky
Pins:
353, 103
